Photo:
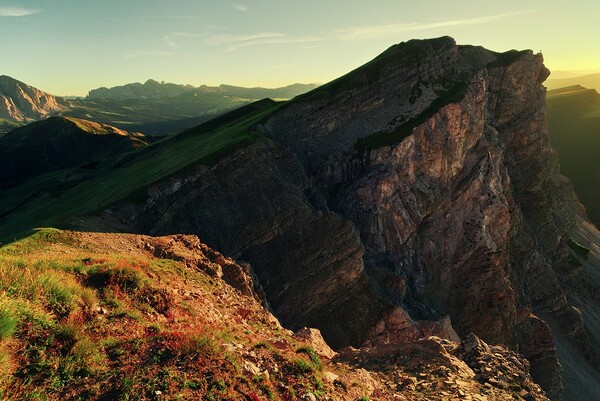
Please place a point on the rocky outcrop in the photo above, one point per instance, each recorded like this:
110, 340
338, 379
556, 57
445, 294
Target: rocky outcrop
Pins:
20, 102
162, 313
468, 370
463, 205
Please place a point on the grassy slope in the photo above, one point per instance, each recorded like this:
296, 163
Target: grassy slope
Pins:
574, 126
203, 144
97, 316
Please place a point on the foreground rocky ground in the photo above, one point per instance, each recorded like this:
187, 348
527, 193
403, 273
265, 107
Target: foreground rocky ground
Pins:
132, 317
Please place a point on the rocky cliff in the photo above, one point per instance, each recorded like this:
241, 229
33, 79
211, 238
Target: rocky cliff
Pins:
465, 206
20, 102
418, 194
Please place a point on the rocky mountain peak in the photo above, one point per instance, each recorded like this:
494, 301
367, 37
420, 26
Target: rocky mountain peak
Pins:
20, 102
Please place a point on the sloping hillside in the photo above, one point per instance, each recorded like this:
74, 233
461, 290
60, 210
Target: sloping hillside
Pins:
591, 81
58, 143
573, 116
52, 196
120, 317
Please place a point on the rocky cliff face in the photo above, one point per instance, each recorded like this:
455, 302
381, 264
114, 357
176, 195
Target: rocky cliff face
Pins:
20, 102
418, 193
260, 206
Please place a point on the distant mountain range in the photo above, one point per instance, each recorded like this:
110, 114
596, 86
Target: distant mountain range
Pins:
152, 108
21, 103
152, 89
591, 81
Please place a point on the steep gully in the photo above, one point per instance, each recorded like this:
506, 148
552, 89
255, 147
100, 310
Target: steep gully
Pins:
373, 215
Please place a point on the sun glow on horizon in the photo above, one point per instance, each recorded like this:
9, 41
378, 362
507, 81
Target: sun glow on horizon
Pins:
69, 48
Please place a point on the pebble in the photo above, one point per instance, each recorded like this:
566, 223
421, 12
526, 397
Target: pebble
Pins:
309, 397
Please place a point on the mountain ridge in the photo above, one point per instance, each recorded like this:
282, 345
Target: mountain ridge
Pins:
574, 127
457, 221
20, 102
152, 108
589, 81
155, 89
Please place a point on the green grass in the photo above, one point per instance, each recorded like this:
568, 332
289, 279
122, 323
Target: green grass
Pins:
8, 323
574, 127
78, 322
302, 366
36, 241
201, 145
312, 354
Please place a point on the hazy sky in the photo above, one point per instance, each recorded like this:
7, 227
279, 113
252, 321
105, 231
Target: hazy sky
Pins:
68, 47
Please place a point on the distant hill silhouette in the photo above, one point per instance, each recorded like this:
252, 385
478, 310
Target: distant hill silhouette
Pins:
591, 81
154, 108
573, 115
152, 89
59, 143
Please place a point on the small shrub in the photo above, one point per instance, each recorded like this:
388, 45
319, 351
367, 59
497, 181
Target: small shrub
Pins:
312, 354
301, 366
126, 279
59, 296
264, 345
157, 299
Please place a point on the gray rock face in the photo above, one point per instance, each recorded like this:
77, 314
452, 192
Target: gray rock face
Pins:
20, 102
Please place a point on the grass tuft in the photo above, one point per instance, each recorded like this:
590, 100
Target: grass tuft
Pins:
312, 355
8, 324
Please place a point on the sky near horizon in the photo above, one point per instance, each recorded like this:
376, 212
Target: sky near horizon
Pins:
67, 47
